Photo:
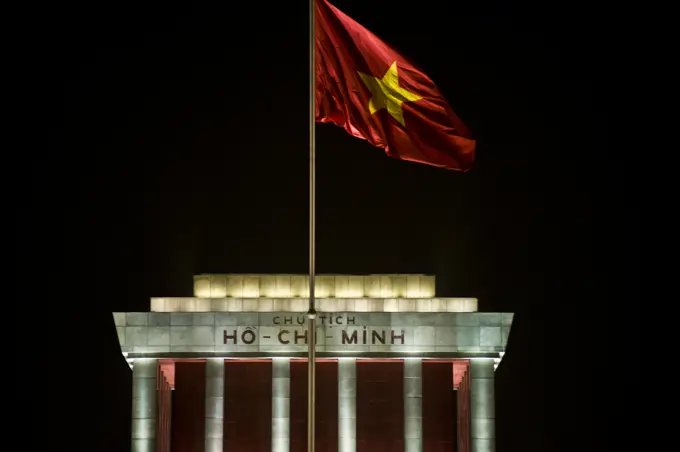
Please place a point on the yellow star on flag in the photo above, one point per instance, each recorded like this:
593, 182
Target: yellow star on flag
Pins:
386, 93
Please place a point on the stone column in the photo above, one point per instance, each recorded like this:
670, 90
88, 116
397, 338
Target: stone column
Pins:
280, 404
413, 405
214, 404
347, 405
144, 405
482, 406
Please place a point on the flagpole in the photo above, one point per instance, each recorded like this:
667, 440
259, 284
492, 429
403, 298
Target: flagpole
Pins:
311, 314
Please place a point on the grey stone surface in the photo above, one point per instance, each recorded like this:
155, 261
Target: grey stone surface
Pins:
142, 445
413, 411
490, 336
182, 318
120, 332
482, 409
214, 405
483, 445
505, 334
347, 428
159, 319
136, 335
144, 409
280, 404
119, 318
483, 429
284, 332
136, 318
158, 335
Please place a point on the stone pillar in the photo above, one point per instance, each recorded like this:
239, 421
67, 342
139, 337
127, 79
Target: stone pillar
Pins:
413, 405
347, 405
144, 404
214, 404
482, 406
280, 404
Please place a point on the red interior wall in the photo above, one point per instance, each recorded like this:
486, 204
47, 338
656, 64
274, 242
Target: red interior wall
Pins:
188, 428
326, 438
439, 417
463, 408
380, 406
164, 401
247, 406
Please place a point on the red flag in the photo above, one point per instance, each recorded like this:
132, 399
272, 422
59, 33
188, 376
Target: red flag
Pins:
376, 94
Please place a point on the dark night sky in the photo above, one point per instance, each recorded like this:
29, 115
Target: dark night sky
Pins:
178, 145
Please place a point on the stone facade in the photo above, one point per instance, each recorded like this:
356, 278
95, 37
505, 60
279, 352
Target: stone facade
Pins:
155, 333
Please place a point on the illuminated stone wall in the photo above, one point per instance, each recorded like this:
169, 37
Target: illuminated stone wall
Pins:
280, 332
322, 304
327, 286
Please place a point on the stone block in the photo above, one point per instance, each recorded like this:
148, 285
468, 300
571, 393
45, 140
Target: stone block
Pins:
204, 319
283, 288
482, 428
192, 335
299, 286
120, 332
235, 286
467, 319
490, 336
281, 387
251, 286
119, 318
159, 335
413, 407
225, 319
347, 427
489, 318
280, 407
281, 427
218, 286
265, 305
143, 428
413, 445
347, 387
465, 335
214, 428
143, 408
413, 387
482, 403
250, 304
505, 334
482, 368
280, 444
136, 318
159, 319
201, 286
143, 445
214, 444
143, 387
181, 319
203, 305
391, 305
483, 445
413, 427
424, 335
347, 406
136, 335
